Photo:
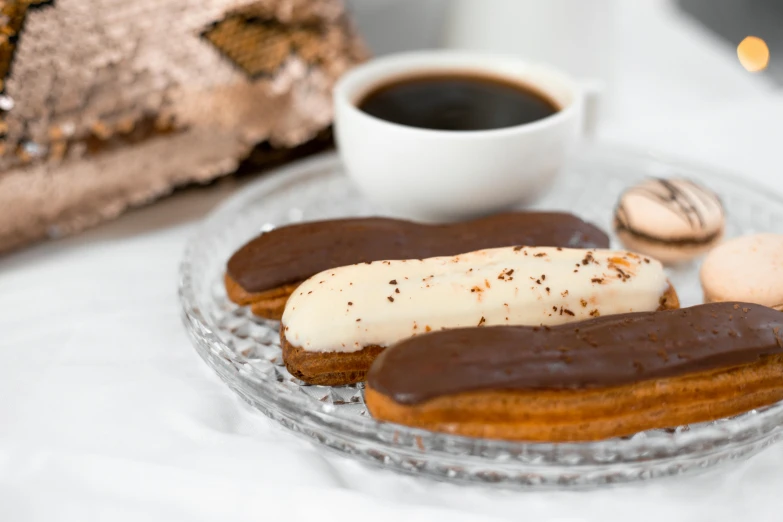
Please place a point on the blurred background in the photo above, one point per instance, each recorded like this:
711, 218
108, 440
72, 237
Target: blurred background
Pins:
670, 54
398, 25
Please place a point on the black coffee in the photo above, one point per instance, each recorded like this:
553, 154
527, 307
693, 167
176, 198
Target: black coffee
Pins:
457, 102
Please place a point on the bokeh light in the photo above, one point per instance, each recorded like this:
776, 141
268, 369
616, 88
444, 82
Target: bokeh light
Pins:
753, 54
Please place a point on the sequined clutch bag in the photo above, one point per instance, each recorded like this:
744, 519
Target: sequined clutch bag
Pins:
106, 105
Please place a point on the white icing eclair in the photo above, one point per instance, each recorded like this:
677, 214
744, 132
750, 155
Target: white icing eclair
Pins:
377, 304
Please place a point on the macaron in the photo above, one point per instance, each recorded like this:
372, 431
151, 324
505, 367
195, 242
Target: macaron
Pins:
747, 269
672, 220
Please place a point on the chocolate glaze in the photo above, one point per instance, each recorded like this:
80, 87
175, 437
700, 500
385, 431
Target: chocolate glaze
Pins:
599, 353
293, 253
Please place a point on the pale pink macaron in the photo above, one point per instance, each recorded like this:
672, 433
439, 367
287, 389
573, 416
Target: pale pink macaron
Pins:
747, 269
672, 220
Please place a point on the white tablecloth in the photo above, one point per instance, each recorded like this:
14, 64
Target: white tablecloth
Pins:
107, 413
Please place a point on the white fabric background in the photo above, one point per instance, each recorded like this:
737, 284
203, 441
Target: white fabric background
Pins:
107, 413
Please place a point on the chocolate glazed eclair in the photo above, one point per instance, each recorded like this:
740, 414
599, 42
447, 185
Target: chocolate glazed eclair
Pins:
266, 270
605, 377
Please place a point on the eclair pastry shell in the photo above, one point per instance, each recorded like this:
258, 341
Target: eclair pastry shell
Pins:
591, 414
269, 304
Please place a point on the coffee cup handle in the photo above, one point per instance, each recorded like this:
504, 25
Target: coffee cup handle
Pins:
592, 95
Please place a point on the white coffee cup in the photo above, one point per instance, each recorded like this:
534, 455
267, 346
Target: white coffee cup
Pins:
434, 175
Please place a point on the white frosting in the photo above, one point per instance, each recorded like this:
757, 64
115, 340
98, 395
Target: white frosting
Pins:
379, 303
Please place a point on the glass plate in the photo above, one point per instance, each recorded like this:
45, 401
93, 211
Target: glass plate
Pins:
245, 352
